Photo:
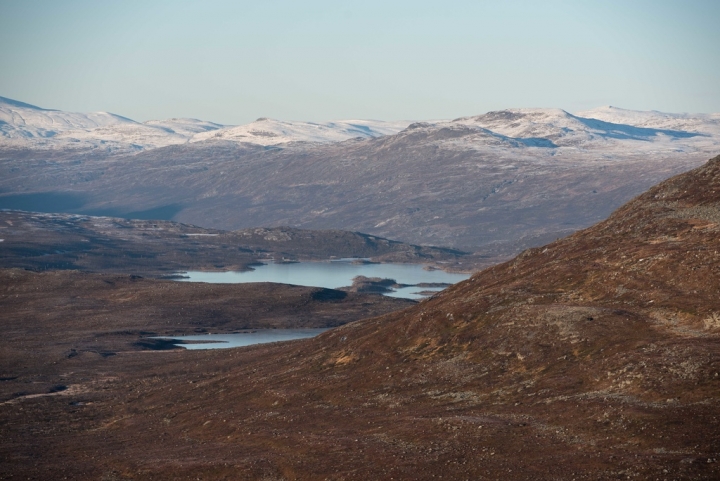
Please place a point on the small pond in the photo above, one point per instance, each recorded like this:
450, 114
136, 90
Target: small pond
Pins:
239, 339
335, 274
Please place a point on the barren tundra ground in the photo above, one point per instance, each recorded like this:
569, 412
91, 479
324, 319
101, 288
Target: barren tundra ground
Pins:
594, 357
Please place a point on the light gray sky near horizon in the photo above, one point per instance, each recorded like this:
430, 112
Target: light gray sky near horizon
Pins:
233, 61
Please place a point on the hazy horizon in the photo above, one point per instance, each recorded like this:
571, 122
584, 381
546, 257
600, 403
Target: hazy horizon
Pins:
232, 62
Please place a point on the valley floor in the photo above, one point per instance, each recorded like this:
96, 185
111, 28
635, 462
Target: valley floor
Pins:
86, 400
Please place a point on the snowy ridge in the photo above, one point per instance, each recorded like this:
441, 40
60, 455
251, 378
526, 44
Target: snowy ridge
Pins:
27, 126
709, 123
141, 136
609, 129
564, 128
616, 132
185, 127
21, 120
266, 131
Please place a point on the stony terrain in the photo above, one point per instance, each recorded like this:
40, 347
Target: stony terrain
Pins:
63, 329
69, 313
594, 357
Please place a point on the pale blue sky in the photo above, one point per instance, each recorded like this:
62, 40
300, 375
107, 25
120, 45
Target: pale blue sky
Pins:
234, 61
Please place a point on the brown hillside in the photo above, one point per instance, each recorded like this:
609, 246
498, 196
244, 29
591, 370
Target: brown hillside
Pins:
595, 357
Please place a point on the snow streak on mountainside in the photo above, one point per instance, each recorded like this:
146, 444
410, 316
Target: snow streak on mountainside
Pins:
27, 126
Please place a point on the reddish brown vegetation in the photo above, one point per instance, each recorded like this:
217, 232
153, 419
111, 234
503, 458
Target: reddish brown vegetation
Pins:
595, 357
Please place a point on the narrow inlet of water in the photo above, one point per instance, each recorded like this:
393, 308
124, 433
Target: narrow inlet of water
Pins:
240, 339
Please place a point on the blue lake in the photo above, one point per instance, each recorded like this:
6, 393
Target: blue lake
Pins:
334, 274
260, 336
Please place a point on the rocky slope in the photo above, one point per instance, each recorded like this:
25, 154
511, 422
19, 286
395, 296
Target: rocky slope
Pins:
594, 357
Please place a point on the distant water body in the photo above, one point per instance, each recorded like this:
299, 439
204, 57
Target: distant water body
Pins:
240, 339
335, 274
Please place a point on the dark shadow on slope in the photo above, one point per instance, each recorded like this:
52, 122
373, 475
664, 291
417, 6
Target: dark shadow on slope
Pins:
48, 202
623, 131
328, 295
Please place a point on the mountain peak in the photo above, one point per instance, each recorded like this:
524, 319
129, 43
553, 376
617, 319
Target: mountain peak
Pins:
17, 103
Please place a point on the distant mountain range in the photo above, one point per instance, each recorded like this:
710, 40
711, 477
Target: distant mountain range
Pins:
496, 183
27, 126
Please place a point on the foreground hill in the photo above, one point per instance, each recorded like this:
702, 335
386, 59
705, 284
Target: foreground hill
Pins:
594, 357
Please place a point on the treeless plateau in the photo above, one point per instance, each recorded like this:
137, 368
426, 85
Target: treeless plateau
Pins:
594, 357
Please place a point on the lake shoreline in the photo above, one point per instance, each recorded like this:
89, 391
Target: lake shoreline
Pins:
404, 280
239, 339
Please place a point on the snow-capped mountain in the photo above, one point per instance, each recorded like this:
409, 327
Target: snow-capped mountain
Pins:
607, 128
266, 131
592, 128
19, 120
607, 131
27, 126
699, 123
